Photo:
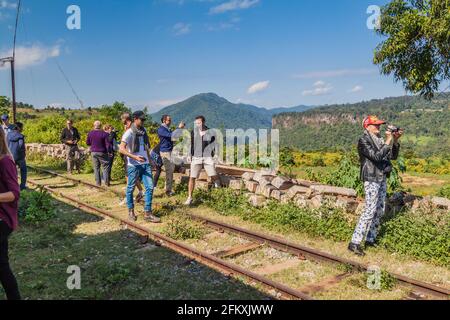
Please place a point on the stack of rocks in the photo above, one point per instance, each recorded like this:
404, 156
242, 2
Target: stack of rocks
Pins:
264, 185
57, 151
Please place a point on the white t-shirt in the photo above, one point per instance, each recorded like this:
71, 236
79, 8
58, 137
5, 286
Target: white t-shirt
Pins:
128, 139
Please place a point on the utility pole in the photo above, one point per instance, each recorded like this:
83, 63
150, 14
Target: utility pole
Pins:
13, 85
13, 88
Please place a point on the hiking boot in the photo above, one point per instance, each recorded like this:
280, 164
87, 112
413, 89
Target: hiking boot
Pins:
356, 249
150, 217
131, 215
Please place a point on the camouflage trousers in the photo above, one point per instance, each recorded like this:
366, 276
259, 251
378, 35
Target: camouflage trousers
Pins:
369, 222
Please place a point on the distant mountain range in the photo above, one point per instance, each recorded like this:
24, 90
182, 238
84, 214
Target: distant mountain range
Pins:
221, 113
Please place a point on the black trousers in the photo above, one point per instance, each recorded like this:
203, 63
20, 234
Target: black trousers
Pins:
7, 278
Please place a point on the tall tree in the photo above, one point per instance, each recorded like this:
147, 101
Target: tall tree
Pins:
417, 45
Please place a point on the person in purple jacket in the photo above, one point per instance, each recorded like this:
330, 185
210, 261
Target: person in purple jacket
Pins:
101, 152
9, 200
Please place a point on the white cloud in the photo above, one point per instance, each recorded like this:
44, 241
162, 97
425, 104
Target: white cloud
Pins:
181, 28
320, 88
33, 55
335, 73
319, 83
231, 24
233, 5
258, 87
357, 88
7, 5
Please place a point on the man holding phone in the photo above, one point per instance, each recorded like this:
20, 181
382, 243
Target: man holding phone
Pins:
135, 146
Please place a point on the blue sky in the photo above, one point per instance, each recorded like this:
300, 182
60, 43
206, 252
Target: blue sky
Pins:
270, 53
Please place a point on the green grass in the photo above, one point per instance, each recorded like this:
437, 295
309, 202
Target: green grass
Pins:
114, 265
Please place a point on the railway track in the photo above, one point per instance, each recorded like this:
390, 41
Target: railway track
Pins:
256, 240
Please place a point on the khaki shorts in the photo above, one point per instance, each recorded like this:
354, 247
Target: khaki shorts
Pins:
198, 164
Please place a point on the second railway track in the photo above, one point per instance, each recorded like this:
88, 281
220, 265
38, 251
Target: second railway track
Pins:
256, 240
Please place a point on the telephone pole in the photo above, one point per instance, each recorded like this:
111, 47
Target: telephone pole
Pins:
11, 60
13, 85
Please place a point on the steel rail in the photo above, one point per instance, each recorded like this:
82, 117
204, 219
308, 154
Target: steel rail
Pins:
197, 255
287, 246
297, 249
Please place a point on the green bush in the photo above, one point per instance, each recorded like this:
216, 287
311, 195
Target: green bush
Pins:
117, 172
87, 166
445, 192
347, 175
182, 227
36, 206
421, 236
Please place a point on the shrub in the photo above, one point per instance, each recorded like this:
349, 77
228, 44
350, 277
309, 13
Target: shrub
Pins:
182, 227
445, 192
424, 237
347, 174
36, 206
117, 172
87, 166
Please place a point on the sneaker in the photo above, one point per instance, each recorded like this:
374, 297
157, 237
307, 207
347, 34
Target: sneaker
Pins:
150, 217
188, 202
139, 197
131, 215
356, 249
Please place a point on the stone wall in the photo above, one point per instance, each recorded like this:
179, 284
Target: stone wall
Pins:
57, 151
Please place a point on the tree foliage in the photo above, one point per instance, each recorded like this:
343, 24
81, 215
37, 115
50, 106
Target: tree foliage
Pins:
115, 110
338, 127
4, 105
417, 48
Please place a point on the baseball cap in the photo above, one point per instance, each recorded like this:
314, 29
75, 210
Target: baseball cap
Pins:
5, 117
372, 120
139, 115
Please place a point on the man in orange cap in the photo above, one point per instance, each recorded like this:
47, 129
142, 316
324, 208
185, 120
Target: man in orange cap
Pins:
375, 156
